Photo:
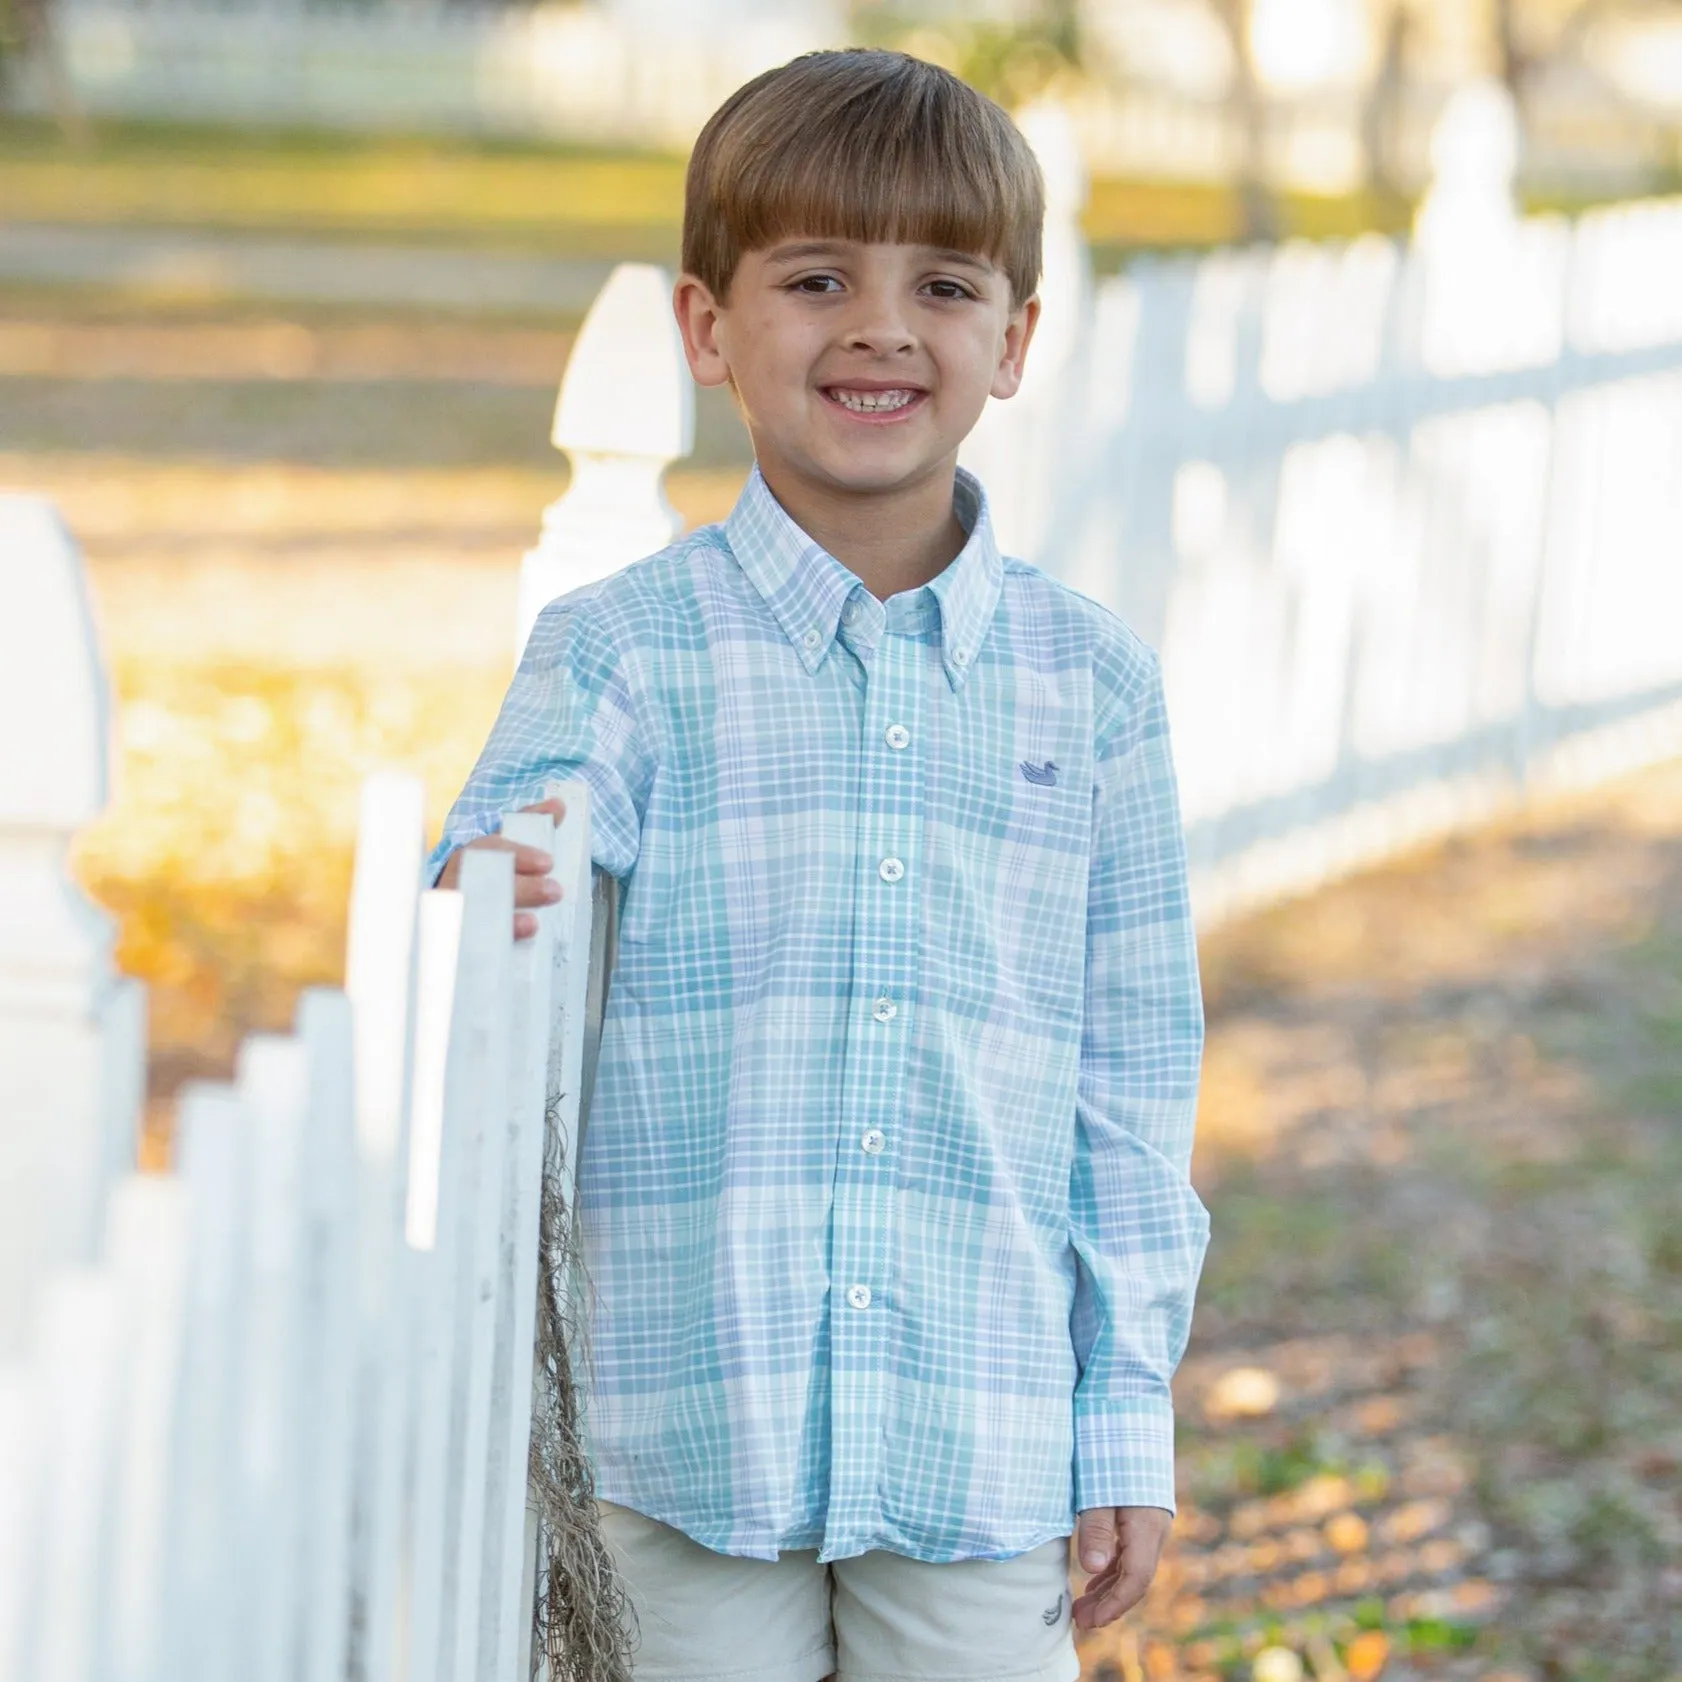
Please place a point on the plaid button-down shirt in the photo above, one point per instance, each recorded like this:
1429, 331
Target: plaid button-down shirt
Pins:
884, 1186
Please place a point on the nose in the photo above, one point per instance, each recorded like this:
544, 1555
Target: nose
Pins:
878, 325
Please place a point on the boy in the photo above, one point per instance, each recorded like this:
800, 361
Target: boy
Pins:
884, 1188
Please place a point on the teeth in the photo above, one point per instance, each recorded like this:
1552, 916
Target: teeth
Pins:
871, 402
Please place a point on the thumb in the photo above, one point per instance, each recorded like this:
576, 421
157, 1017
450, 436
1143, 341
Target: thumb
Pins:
1096, 1537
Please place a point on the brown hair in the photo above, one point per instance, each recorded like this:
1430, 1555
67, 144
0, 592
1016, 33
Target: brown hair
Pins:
867, 145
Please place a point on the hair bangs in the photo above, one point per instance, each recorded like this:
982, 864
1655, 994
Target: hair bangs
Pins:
864, 145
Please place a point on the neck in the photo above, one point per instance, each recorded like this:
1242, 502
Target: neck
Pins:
894, 540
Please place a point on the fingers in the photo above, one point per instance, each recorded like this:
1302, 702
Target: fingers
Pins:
1139, 1534
1111, 1594
534, 887
1096, 1537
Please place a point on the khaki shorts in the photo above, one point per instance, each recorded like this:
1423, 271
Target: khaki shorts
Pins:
700, 1616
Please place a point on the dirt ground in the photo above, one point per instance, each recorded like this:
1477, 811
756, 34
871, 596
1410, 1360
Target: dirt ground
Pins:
1429, 1411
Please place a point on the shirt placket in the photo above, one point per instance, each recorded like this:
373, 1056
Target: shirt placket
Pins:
883, 1007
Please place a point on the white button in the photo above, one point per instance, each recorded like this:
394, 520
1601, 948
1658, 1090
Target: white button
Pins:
813, 637
850, 612
873, 1141
960, 656
897, 735
859, 1295
886, 1010
890, 869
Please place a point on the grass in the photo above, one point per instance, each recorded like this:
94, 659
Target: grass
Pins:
551, 198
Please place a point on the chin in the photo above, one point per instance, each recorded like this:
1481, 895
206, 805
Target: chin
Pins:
869, 473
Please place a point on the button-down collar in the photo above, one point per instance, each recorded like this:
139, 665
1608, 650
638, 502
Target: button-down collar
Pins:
806, 588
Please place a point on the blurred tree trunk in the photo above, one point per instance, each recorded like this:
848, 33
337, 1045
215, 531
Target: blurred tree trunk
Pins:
33, 38
1382, 111
1257, 209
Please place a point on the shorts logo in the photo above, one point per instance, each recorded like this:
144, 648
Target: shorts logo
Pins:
1052, 1613
1045, 775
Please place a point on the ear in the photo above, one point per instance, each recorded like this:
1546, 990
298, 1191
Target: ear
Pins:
1019, 331
698, 313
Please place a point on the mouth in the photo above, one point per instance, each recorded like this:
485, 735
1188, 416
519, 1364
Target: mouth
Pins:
875, 403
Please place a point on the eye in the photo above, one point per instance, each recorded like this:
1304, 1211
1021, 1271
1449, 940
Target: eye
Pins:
950, 290
815, 285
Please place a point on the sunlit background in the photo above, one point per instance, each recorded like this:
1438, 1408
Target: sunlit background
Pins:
285, 294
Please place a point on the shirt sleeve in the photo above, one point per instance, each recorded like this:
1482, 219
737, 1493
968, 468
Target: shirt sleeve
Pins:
569, 712
1138, 1229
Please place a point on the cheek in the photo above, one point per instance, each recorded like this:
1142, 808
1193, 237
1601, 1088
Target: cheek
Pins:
969, 362
771, 361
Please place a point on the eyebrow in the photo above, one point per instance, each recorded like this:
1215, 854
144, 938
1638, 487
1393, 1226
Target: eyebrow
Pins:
802, 249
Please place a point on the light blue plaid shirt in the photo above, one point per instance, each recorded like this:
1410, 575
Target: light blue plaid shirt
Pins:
884, 1187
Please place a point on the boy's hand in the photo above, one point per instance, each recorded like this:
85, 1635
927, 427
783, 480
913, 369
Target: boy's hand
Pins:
1120, 1546
533, 885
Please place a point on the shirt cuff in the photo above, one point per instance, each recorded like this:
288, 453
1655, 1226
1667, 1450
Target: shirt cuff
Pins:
1124, 1456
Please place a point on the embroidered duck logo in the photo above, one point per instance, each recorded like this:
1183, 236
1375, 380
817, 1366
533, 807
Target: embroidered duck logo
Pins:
1045, 775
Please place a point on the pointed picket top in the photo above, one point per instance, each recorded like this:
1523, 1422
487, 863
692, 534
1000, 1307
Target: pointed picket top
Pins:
54, 742
626, 410
627, 389
1475, 149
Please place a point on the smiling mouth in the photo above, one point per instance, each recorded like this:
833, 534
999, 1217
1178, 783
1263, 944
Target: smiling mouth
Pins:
893, 401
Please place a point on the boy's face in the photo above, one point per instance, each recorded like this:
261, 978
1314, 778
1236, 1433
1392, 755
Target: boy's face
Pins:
860, 368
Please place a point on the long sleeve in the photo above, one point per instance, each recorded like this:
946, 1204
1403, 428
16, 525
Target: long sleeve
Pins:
569, 712
1138, 1229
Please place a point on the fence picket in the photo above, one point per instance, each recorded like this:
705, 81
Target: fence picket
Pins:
379, 977
433, 1223
506, 1622
202, 1552
148, 1244
327, 1347
487, 887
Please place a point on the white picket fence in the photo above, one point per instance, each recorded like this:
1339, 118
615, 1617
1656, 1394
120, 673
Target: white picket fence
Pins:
268, 1416
1404, 520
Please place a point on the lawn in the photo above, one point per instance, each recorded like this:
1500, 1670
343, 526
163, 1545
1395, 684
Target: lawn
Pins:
557, 199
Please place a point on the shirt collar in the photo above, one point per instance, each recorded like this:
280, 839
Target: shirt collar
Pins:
806, 588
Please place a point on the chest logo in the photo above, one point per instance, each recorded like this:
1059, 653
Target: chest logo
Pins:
1045, 774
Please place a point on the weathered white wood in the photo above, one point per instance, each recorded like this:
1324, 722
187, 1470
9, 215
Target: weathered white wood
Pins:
626, 410
202, 1551
379, 972
504, 1620
480, 1077
68, 1048
274, 1088
149, 1238
80, 1343
22, 1493
433, 1222
327, 1345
